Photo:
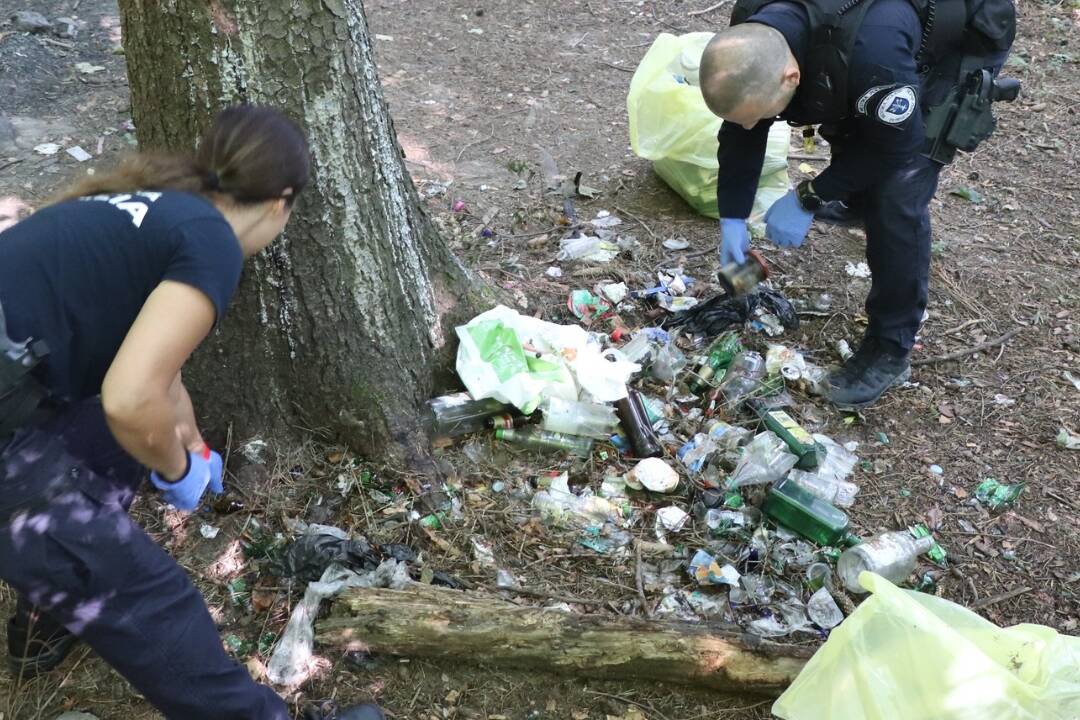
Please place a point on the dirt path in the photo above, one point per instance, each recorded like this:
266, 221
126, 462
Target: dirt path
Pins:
487, 95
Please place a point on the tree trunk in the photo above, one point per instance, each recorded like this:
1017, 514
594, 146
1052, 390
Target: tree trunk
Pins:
343, 325
450, 624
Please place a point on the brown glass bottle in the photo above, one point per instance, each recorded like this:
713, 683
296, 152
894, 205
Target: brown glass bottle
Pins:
635, 423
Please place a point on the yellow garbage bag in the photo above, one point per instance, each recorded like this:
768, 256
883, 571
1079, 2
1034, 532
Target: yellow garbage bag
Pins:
671, 125
904, 655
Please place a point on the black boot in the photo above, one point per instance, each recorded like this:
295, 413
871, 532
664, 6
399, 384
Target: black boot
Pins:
328, 710
875, 367
839, 213
36, 644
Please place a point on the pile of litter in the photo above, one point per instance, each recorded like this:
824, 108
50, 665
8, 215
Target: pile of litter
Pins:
707, 470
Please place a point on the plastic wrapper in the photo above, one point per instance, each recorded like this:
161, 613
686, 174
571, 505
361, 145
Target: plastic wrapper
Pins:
293, 660
670, 125
766, 459
905, 654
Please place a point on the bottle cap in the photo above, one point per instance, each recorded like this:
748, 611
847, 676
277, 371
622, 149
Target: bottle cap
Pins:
500, 434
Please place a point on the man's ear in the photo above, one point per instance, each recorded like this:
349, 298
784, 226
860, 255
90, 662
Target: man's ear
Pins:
791, 77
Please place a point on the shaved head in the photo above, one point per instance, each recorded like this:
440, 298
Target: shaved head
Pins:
746, 65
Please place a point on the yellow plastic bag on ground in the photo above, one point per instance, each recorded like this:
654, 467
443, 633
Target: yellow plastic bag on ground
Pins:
904, 655
671, 125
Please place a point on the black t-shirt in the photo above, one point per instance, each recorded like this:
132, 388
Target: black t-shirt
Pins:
76, 274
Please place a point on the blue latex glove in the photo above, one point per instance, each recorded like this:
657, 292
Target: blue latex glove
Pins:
734, 241
204, 470
786, 222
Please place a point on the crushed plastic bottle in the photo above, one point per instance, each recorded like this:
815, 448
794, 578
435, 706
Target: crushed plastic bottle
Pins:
559, 505
838, 461
823, 610
587, 247
743, 378
723, 521
578, 418
839, 493
639, 350
765, 460
891, 555
668, 361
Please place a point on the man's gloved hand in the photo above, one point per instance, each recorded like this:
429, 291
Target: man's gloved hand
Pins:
204, 470
734, 241
786, 222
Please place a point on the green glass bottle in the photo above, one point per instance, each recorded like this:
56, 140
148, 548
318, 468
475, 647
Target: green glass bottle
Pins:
717, 358
537, 439
793, 507
794, 436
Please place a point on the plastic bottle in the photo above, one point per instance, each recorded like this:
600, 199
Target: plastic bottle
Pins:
823, 611
634, 418
537, 439
798, 440
891, 555
718, 357
454, 415
837, 492
586, 247
639, 349
743, 377
578, 418
799, 510
764, 460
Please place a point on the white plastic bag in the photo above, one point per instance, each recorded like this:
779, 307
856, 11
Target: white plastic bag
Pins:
521, 360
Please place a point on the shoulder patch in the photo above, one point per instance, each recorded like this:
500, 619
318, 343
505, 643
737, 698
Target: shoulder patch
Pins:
866, 97
898, 105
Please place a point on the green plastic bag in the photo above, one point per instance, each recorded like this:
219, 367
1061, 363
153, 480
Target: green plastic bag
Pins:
905, 655
671, 125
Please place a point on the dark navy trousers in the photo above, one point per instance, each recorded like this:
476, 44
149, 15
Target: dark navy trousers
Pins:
68, 546
896, 213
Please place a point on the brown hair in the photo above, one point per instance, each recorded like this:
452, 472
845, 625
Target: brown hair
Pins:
250, 154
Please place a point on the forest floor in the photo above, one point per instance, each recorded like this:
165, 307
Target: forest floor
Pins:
485, 97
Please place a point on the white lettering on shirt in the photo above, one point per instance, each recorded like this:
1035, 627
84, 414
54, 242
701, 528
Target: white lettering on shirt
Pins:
136, 205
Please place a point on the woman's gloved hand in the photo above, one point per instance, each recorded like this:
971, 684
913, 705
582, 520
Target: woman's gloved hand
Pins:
205, 469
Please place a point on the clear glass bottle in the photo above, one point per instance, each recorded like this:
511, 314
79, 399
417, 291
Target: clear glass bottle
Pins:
891, 555
451, 416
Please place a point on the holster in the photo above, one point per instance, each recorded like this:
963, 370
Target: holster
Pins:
965, 118
20, 392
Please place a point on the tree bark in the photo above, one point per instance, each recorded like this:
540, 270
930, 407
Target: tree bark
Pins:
450, 624
343, 326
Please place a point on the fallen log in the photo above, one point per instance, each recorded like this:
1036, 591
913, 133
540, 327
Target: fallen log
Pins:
432, 622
